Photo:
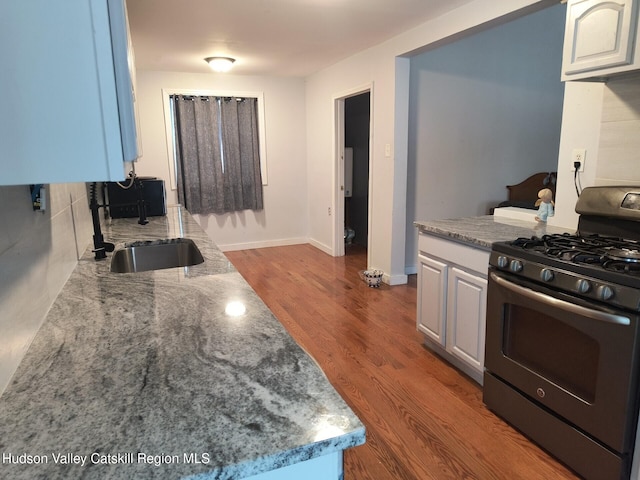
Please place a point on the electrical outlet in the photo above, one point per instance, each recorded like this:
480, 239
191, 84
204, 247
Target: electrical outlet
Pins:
578, 155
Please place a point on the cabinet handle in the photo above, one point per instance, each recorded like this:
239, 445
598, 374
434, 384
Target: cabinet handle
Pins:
561, 304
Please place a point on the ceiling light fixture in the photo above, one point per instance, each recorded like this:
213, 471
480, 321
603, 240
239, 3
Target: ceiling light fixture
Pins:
220, 64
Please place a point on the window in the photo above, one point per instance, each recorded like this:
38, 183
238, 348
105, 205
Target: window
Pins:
216, 150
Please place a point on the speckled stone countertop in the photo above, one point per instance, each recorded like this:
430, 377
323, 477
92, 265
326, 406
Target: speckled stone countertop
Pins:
150, 363
482, 231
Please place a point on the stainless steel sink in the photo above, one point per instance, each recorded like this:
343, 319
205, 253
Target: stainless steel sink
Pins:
155, 255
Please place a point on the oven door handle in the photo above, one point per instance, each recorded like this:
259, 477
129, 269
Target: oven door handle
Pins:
564, 305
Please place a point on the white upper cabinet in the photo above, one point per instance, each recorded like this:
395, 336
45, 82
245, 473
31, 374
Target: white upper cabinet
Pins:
600, 39
68, 103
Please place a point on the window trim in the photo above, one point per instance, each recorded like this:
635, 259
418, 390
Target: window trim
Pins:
166, 104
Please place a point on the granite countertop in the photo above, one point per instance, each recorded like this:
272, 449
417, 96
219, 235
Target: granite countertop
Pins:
150, 363
482, 231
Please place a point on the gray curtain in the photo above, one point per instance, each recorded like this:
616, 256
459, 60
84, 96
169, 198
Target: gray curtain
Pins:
217, 154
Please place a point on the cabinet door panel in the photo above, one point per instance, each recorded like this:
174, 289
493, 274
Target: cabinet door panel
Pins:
466, 316
599, 35
61, 119
432, 285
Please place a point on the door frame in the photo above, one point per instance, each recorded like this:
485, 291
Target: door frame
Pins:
337, 248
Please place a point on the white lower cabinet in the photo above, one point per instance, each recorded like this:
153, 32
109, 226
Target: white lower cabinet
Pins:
466, 314
452, 295
326, 467
432, 298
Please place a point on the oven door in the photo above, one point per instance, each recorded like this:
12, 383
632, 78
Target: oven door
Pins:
574, 357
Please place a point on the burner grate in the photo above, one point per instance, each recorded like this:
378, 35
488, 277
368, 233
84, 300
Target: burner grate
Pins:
610, 253
621, 266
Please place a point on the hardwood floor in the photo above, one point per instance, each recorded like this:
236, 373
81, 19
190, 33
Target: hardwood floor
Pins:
424, 419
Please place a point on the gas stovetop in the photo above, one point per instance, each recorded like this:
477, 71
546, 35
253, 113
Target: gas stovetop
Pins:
594, 267
600, 263
609, 253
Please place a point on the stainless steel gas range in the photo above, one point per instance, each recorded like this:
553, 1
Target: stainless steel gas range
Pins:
562, 352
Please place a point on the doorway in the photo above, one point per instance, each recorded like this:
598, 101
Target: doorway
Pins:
356, 140
353, 141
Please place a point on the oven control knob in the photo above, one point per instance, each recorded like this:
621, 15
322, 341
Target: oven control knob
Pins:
583, 286
503, 262
546, 275
605, 292
515, 266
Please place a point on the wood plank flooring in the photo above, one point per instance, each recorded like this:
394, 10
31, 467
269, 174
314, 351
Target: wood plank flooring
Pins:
424, 419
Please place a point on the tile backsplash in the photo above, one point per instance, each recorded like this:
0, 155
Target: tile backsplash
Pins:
619, 151
38, 252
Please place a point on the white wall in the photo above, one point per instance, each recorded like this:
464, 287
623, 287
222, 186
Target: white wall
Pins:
604, 119
619, 148
390, 100
322, 89
485, 112
580, 129
38, 252
284, 218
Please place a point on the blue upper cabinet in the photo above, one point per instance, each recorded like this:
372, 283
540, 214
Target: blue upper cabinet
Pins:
69, 106
600, 39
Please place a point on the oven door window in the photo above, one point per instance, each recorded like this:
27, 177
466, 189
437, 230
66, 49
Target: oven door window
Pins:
558, 352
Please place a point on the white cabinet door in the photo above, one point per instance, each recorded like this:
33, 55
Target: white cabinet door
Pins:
125, 70
60, 119
452, 295
466, 317
600, 36
432, 298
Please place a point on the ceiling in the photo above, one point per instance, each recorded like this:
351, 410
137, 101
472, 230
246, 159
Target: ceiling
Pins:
268, 37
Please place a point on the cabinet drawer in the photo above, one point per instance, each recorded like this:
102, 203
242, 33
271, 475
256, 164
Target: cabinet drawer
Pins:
475, 259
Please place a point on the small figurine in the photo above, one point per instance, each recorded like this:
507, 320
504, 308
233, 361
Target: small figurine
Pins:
545, 204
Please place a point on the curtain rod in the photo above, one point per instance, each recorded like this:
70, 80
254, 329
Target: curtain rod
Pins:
207, 98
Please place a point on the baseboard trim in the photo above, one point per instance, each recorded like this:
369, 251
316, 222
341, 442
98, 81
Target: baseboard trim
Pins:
320, 246
269, 243
395, 279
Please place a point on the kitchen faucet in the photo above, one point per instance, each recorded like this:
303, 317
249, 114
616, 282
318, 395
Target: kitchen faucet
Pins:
100, 247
